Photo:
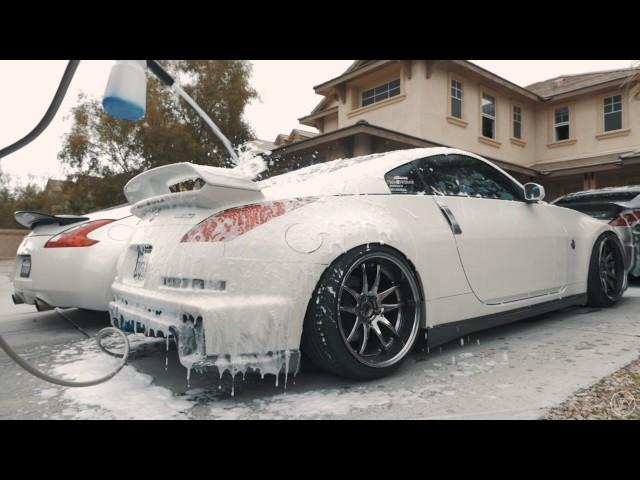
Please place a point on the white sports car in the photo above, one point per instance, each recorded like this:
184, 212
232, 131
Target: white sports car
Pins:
350, 260
68, 260
620, 208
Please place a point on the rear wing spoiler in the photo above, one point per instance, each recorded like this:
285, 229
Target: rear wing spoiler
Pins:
31, 219
220, 187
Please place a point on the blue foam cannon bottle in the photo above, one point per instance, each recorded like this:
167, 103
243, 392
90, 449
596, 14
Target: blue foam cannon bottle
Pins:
126, 94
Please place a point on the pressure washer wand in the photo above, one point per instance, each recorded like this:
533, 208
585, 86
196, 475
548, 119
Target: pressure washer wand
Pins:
225, 141
168, 80
125, 95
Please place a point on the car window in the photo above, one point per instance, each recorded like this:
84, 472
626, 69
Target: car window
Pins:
463, 176
405, 180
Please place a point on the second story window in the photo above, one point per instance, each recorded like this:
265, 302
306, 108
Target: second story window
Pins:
382, 92
561, 124
488, 116
456, 99
612, 113
517, 122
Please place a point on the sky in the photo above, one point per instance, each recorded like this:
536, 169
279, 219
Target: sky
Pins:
285, 88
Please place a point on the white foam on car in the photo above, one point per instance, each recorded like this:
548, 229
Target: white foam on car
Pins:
250, 162
224, 188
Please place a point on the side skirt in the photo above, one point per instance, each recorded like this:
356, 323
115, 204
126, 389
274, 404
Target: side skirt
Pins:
441, 334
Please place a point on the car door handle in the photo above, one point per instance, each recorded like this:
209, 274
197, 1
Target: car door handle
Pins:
453, 223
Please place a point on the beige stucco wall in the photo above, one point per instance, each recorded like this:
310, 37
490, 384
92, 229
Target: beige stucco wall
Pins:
330, 123
586, 123
422, 109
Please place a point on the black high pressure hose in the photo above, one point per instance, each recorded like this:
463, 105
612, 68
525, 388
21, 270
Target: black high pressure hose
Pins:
68, 383
49, 114
32, 135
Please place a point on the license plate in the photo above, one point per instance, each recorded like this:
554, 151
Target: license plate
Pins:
25, 267
142, 262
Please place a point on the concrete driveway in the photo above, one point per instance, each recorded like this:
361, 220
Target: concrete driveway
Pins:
513, 372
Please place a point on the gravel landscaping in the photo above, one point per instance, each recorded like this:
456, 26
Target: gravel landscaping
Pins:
616, 397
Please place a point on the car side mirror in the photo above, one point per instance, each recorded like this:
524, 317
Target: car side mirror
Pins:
533, 192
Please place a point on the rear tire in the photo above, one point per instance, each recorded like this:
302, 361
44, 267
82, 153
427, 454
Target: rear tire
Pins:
364, 316
607, 276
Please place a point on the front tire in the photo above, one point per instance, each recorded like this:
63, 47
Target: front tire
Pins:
606, 272
364, 316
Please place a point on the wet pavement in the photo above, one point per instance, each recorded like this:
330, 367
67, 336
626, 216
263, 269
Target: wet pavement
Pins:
517, 371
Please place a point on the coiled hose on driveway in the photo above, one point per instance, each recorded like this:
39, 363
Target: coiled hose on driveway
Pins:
67, 383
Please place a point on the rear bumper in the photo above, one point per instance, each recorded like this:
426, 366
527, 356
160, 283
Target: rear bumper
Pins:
255, 322
233, 333
66, 277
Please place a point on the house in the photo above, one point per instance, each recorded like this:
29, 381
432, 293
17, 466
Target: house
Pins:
568, 133
296, 135
55, 186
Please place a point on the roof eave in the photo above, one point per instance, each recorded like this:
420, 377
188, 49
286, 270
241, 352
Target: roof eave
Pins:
326, 87
584, 90
308, 119
498, 79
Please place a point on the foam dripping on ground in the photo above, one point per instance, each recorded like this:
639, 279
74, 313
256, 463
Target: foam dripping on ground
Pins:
129, 395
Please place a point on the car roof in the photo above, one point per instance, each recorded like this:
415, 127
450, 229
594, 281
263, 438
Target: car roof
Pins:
631, 189
625, 188
358, 175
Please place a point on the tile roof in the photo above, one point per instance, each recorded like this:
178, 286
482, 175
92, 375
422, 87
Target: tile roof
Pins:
568, 83
303, 133
263, 144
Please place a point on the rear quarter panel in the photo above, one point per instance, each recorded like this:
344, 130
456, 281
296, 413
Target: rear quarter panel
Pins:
584, 230
322, 231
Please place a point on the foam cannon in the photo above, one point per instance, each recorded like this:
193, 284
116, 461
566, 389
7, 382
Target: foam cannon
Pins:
126, 94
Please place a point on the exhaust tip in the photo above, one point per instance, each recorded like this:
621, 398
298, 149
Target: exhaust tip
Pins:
42, 306
16, 299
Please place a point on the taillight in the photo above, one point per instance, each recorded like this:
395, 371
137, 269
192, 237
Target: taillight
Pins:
618, 222
630, 218
77, 236
232, 223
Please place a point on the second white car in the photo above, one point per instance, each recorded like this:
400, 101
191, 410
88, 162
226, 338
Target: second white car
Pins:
69, 261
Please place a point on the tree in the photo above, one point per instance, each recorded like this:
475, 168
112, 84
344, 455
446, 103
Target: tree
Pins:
99, 145
29, 196
7, 203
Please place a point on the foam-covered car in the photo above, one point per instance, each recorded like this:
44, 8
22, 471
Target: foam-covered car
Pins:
350, 261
